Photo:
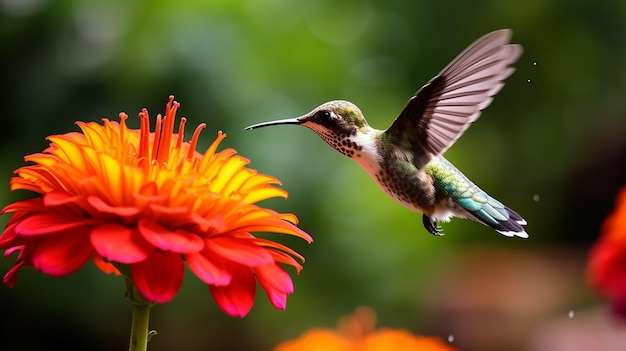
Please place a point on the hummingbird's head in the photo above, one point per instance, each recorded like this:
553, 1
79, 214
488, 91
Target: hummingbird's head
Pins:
338, 122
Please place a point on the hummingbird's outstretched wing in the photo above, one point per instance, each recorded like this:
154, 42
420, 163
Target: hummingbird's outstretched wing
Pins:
444, 108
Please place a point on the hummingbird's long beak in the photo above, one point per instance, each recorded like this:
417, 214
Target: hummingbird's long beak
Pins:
297, 120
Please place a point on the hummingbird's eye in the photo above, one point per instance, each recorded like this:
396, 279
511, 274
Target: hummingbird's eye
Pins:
323, 115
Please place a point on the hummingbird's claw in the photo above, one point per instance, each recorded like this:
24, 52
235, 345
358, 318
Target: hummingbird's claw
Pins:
431, 225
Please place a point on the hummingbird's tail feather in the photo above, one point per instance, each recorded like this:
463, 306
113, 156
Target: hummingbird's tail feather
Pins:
494, 214
512, 227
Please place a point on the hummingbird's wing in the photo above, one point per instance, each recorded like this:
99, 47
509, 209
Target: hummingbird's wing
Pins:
444, 108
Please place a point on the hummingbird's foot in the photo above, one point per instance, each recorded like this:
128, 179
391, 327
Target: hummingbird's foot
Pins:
431, 225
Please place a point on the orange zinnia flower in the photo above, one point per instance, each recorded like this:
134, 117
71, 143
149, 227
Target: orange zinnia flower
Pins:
147, 203
356, 333
607, 264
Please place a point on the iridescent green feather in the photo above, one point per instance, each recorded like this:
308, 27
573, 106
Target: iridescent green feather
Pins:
450, 182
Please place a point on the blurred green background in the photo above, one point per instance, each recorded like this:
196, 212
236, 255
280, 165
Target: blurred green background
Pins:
552, 146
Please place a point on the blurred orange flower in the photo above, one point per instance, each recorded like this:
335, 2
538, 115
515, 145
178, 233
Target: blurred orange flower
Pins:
145, 203
607, 263
356, 333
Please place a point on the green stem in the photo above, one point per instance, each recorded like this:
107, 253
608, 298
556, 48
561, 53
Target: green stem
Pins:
139, 327
139, 334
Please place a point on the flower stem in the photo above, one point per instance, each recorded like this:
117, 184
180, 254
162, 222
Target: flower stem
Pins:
139, 334
139, 327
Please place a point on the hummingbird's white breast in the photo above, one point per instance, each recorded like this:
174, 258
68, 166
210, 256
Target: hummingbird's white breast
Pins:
370, 158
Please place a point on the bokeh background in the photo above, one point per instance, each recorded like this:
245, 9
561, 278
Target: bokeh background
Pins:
552, 146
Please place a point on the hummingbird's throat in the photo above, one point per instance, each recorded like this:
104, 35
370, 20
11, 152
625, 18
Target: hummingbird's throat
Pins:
341, 143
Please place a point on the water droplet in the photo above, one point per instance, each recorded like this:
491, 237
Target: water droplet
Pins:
571, 314
451, 338
536, 198
534, 63
528, 80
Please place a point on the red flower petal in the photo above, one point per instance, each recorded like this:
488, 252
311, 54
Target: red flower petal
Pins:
276, 283
21, 207
103, 207
58, 198
240, 251
47, 223
236, 299
10, 279
278, 299
9, 238
207, 270
166, 240
607, 262
117, 243
62, 253
607, 272
275, 277
159, 277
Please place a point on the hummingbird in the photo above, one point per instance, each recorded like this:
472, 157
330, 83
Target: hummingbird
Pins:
406, 160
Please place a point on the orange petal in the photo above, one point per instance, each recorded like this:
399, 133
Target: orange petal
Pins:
401, 340
317, 340
241, 251
104, 266
264, 194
